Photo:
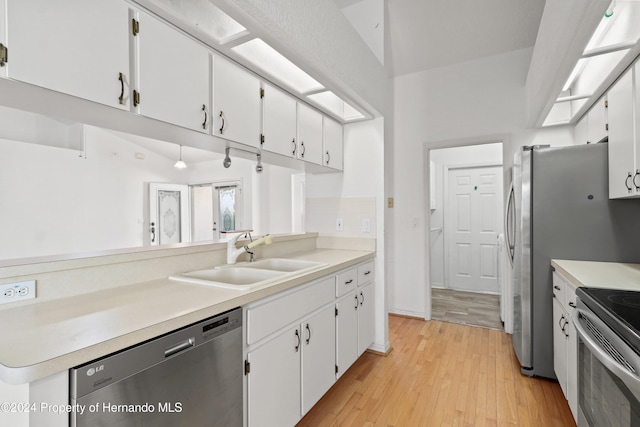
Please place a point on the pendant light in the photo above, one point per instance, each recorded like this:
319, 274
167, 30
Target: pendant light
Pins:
180, 164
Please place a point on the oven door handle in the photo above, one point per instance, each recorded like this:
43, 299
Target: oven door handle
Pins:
632, 381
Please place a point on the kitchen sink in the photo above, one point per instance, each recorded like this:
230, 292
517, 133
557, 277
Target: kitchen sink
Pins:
280, 264
248, 275
231, 278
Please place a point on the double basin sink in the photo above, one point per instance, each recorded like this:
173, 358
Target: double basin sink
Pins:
249, 275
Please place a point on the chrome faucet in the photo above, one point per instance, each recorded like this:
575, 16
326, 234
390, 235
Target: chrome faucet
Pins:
233, 253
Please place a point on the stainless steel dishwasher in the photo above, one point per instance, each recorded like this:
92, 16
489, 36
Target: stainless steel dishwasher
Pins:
190, 377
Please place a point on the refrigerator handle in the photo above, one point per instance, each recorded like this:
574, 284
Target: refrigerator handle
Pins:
510, 206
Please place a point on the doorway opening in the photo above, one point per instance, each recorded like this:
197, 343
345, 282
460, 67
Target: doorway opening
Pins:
465, 235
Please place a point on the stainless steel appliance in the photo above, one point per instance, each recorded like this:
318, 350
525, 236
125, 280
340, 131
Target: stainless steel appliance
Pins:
560, 208
608, 323
190, 377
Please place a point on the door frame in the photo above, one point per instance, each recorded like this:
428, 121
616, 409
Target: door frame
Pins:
504, 139
445, 205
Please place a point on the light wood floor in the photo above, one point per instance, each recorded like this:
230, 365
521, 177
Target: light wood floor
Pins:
441, 374
467, 308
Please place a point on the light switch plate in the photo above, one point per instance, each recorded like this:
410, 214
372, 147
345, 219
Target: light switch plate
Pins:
339, 224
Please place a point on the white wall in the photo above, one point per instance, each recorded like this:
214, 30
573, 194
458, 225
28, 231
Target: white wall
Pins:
362, 180
469, 103
458, 156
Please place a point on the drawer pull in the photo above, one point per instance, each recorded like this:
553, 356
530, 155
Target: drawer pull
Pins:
348, 282
556, 287
366, 273
572, 304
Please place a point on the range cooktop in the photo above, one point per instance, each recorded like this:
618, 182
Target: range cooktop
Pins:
619, 309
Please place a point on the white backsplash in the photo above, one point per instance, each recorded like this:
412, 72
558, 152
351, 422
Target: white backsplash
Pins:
322, 213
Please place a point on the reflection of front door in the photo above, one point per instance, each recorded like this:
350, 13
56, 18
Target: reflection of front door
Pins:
472, 223
168, 214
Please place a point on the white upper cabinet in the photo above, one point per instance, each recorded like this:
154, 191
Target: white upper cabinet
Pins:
622, 144
333, 145
77, 47
309, 134
279, 122
173, 76
236, 103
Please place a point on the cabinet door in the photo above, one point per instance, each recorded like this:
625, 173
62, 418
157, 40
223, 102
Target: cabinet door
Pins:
274, 381
318, 356
77, 47
309, 134
279, 122
236, 101
332, 141
636, 119
365, 318
559, 345
621, 140
174, 78
346, 332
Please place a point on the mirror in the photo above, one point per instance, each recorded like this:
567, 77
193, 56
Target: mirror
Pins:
69, 188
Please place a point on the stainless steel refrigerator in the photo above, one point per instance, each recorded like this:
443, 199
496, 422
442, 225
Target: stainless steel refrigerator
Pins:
559, 208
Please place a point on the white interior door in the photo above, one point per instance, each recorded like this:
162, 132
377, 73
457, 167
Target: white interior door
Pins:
169, 220
472, 224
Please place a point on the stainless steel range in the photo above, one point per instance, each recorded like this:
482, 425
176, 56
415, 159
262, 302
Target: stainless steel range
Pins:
608, 326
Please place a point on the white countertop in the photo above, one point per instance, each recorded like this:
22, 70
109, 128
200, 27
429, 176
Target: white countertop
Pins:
594, 274
42, 339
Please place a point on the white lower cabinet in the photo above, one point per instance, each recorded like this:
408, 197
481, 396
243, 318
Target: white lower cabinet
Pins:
565, 344
298, 342
273, 383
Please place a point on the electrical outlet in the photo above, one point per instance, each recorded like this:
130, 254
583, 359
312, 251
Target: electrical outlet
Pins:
339, 224
19, 291
366, 225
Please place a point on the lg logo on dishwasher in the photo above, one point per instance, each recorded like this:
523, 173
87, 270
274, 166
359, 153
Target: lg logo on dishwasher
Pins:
92, 371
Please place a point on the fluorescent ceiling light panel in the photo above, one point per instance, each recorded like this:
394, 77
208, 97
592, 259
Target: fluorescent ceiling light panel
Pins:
594, 71
203, 16
351, 113
276, 65
621, 27
329, 101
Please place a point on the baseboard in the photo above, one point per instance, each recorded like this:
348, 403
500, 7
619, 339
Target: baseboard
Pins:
380, 350
407, 314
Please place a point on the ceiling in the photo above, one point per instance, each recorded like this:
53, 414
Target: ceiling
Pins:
426, 34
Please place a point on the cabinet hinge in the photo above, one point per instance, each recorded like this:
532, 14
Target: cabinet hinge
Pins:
336, 369
606, 127
247, 367
135, 27
261, 138
136, 98
261, 93
4, 55
606, 104
336, 311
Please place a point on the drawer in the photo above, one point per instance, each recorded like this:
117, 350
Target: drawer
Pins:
346, 281
266, 318
366, 273
559, 288
570, 297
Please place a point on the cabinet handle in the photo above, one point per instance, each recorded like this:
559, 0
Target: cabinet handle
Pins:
204, 124
626, 182
308, 333
303, 149
348, 282
366, 273
572, 304
293, 141
634, 180
556, 287
328, 157
298, 338
356, 307
560, 321
121, 97
362, 295
222, 127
